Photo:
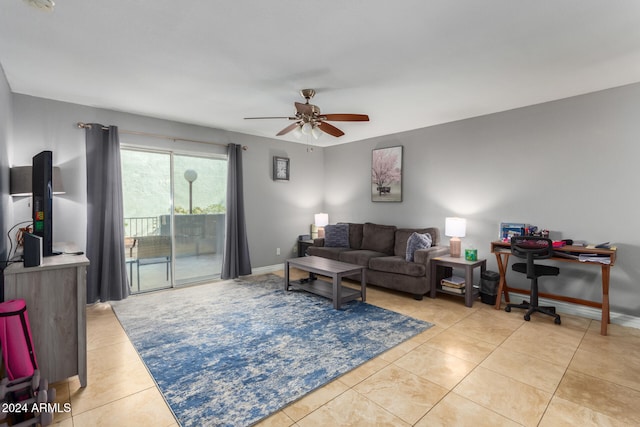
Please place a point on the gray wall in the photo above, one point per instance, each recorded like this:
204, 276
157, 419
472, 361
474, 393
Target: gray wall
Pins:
6, 213
566, 165
277, 212
569, 166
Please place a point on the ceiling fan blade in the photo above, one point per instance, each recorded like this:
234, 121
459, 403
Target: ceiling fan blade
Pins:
276, 117
330, 129
346, 117
288, 129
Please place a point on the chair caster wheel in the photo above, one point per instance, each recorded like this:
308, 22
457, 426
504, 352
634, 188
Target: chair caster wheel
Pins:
527, 317
507, 309
557, 321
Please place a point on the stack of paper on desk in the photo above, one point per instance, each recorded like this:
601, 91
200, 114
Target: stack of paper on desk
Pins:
594, 258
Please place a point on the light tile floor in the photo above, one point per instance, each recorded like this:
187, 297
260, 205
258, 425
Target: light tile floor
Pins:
476, 367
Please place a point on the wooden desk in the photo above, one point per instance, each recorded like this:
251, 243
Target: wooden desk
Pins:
502, 250
56, 297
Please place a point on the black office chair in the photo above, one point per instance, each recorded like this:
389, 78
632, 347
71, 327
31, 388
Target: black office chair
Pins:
533, 248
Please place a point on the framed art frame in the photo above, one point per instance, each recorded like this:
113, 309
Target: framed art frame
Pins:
281, 168
386, 174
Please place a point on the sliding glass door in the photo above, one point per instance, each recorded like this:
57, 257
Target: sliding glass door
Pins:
146, 189
174, 210
199, 212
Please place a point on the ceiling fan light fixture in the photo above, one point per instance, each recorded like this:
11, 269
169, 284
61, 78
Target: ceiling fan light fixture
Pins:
308, 119
306, 128
315, 132
46, 5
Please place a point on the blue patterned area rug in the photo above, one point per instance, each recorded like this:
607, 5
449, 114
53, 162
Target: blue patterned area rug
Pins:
234, 352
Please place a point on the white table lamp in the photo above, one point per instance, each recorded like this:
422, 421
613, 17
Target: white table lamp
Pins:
320, 220
455, 228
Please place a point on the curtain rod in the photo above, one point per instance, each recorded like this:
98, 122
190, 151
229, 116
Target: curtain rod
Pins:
155, 135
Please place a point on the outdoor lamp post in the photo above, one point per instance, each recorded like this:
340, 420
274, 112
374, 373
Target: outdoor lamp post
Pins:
190, 175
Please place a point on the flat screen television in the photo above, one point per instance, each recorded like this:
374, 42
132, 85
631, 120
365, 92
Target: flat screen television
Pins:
42, 206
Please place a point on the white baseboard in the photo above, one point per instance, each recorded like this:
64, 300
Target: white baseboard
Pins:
564, 307
583, 311
267, 269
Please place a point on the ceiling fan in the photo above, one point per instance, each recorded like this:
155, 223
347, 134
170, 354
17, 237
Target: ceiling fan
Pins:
309, 119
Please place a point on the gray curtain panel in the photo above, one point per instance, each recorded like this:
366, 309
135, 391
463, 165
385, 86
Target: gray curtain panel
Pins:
107, 274
235, 258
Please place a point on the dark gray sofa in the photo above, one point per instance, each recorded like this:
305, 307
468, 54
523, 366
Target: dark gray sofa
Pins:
382, 250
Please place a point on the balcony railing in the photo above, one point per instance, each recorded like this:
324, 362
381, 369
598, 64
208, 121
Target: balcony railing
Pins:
194, 234
196, 247
141, 226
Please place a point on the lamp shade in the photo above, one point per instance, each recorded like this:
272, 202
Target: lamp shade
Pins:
297, 132
306, 128
20, 181
321, 219
315, 132
455, 227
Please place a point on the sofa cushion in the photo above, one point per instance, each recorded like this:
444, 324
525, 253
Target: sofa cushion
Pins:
378, 238
402, 238
330, 253
336, 236
417, 241
355, 235
398, 265
359, 257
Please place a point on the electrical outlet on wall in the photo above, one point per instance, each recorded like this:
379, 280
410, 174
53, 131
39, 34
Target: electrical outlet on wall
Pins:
277, 251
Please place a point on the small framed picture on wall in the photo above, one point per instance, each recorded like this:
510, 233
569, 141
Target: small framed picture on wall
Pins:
281, 169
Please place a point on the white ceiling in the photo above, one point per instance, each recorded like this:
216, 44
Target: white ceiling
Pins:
407, 64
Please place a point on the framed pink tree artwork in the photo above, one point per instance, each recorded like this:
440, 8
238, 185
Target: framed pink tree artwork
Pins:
386, 174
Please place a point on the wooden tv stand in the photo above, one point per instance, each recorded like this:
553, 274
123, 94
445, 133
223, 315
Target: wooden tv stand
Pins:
56, 297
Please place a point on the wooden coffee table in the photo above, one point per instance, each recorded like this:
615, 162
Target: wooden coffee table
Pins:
326, 267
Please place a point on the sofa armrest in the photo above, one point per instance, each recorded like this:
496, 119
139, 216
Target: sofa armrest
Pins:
318, 242
423, 256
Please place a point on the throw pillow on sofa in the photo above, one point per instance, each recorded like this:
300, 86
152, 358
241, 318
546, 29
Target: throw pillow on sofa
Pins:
336, 236
417, 241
